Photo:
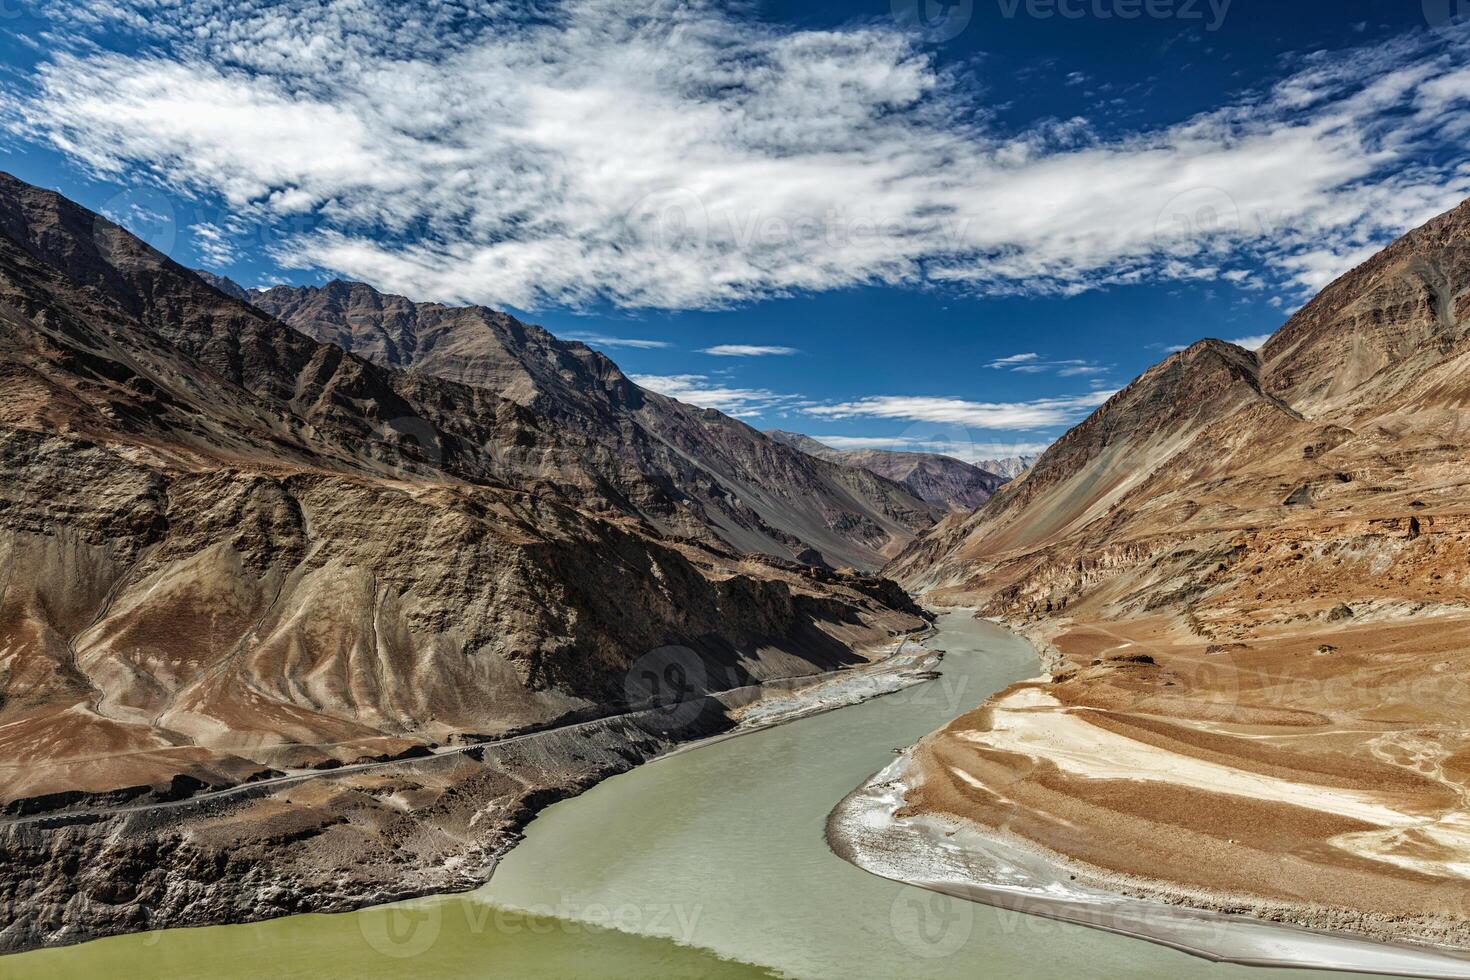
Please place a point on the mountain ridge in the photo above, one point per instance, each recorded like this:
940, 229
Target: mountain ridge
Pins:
719, 478
942, 480
1244, 569
231, 552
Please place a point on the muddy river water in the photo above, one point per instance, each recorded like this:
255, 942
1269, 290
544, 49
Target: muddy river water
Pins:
707, 863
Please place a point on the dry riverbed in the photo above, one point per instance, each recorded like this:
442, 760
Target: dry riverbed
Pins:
1150, 788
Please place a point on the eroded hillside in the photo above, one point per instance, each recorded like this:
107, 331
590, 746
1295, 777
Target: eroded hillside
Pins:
690, 471
1251, 577
232, 556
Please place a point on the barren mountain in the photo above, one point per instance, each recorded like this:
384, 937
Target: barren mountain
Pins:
693, 472
1250, 575
940, 480
232, 553
1007, 467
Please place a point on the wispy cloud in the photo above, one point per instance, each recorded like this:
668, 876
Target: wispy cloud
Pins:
602, 340
1314, 268
748, 350
865, 442
214, 244
682, 154
1252, 343
1000, 450
1033, 364
964, 449
1255, 342
1017, 416
700, 390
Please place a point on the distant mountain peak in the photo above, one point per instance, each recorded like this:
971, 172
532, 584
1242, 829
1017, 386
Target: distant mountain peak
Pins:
1221, 435
232, 549
944, 481
685, 469
224, 284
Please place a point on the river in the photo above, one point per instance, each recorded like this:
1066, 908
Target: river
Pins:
710, 862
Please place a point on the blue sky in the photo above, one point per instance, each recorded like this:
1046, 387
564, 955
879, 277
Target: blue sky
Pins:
954, 228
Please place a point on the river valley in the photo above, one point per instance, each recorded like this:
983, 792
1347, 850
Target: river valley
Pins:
710, 862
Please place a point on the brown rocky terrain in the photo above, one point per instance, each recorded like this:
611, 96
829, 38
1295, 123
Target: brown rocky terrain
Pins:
1007, 467
1250, 575
944, 481
689, 471
245, 570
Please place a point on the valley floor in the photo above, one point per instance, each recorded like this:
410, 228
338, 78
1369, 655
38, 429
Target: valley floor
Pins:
1315, 775
367, 834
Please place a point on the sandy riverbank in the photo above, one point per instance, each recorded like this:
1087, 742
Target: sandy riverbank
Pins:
962, 813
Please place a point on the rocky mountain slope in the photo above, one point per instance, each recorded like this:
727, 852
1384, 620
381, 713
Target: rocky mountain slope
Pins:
943, 481
693, 472
235, 554
1251, 575
1007, 467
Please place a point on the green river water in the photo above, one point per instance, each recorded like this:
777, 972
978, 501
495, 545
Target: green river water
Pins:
707, 863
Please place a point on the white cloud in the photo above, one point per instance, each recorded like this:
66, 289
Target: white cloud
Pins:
1017, 416
214, 244
748, 350
1252, 343
698, 389
1316, 268
681, 155
601, 340
1033, 364
1013, 360
966, 450
895, 443
1000, 450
